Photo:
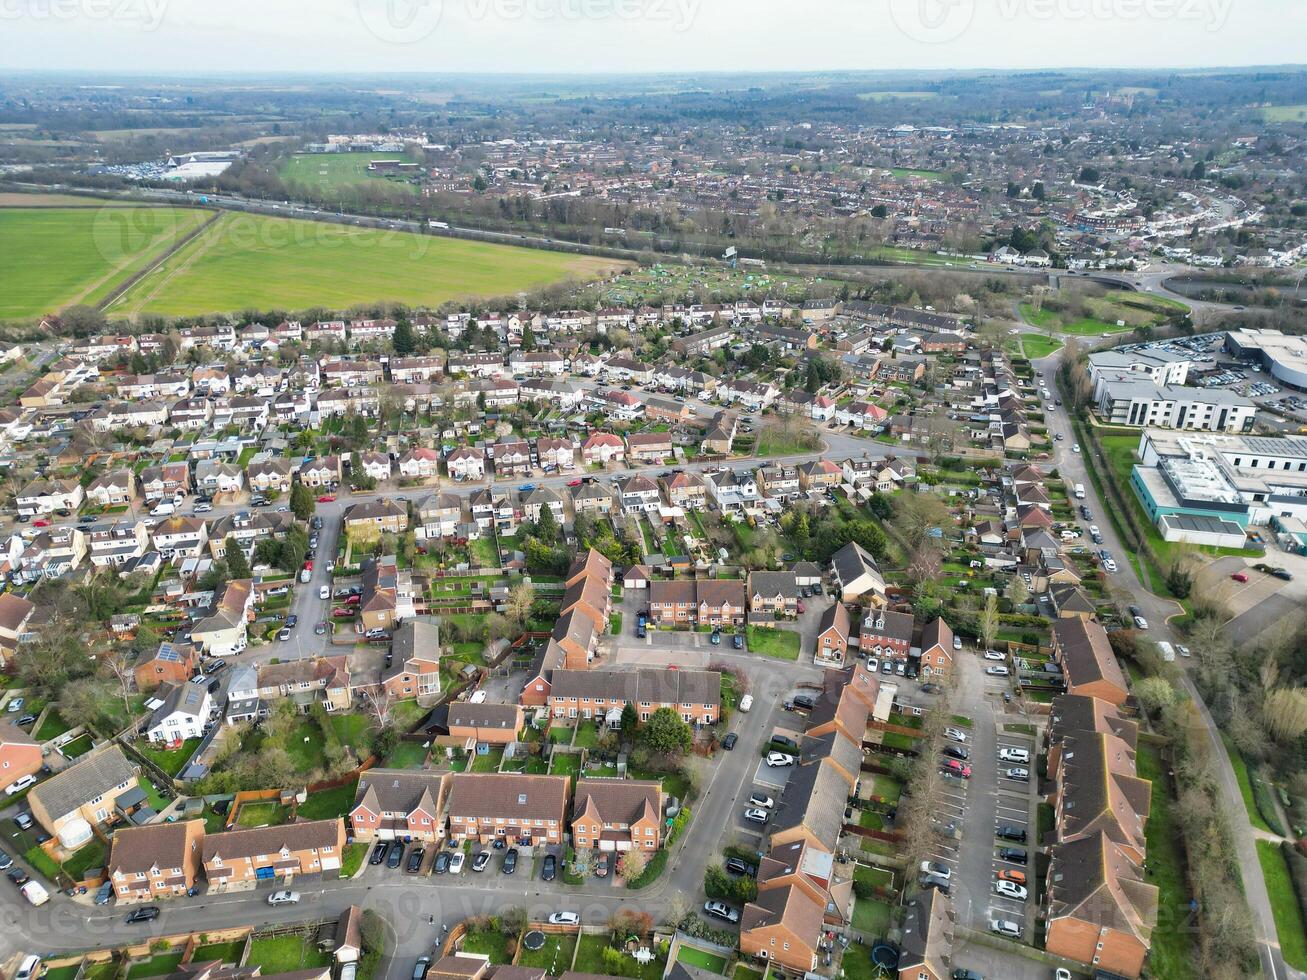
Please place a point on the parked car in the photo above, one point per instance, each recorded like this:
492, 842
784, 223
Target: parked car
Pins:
1240, 576
421, 967
755, 815
15, 705
146, 913
27, 969
728, 743
1018, 773
721, 910
284, 897
956, 752
737, 641
395, 854
1013, 854
955, 734
416, 855
20, 784
1013, 755
1141, 623
762, 800
510, 860
1005, 927
1016, 876
456, 862
1010, 889
601, 866
997, 670
7, 862
480, 860
378, 852
968, 974
716, 638
955, 767
1011, 832
549, 869
995, 655
564, 919
937, 868
738, 866
777, 759
803, 701
327, 498
23, 820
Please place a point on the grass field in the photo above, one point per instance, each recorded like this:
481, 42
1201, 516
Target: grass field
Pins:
1035, 347
885, 96
170, 760
1284, 113
16, 199
554, 957
781, 644
701, 958
51, 258
244, 261
1173, 949
1284, 904
323, 171
1100, 314
1241, 775
923, 174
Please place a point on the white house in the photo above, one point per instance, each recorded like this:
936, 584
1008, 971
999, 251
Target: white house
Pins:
183, 714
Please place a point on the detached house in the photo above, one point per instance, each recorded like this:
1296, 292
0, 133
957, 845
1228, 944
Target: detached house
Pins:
466, 463
112, 489
70, 802
617, 815
603, 448
414, 670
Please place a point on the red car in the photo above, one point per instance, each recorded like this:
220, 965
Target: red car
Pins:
41, 522
1239, 577
953, 766
573, 483
308, 566
326, 498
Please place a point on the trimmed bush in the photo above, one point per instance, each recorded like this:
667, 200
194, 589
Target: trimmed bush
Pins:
1264, 797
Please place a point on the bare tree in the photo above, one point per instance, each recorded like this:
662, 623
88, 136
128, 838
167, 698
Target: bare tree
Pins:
987, 621
378, 701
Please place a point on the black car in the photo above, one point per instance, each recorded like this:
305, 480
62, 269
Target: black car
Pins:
802, 701
415, 857
378, 852
441, 864
1282, 573
26, 720
510, 861
292, 621
104, 894
1009, 832
421, 967
146, 913
729, 741
739, 866
5, 861
931, 688
956, 752
550, 868
395, 854
18, 876
968, 974
1013, 854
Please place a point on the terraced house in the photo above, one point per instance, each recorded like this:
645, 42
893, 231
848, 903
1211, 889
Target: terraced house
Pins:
398, 803
600, 695
156, 861
685, 602
525, 811
240, 859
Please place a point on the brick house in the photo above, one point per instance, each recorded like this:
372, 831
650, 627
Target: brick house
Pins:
695, 695
381, 515
617, 815
783, 925
648, 447
492, 724
1083, 651
936, 648
70, 802
833, 635
522, 810
414, 670
773, 593
155, 861
239, 859
20, 754
398, 803
603, 448
169, 664
886, 633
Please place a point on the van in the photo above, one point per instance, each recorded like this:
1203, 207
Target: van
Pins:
746, 702
306, 574
164, 509
1080, 491
1166, 650
35, 893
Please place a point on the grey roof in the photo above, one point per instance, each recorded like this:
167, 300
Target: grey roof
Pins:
82, 782
647, 684
853, 560
188, 697
768, 584
814, 797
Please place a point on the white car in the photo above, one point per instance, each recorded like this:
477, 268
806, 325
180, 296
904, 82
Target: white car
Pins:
722, 911
995, 655
775, 759
1005, 927
746, 702
456, 862
1010, 889
324, 592
1109, 565
755, 815
284, 898
957, 643
759, 799
997, 670
955, 734
20, 784
27, 969
1016, 772
1141, 623
1184, 650
564, 919
1076, 448
1061, 973
936, 869
1014, 755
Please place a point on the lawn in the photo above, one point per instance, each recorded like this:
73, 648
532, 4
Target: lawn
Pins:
701, 958
589, 959
565, 765
54, 257
158, 965
554, 957
1172, 954
489, 943
484, 552
222, 952
351, 729
407, 755
245, 261
743, 972
352, 859
887, 788
488, 762
1284, 113
777, 444
52, 726
587, 736
305, 746
404, 715
1284, 904
1245, 783
78, 746
328, 803
770, 642
169, 760
286, 954
42, 862
261, 814
89, 857
871, 916
1035, 346
329, 171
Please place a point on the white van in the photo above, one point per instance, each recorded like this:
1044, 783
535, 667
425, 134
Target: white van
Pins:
35, 893
746, 702
165, 508
1080, 491
1166, 650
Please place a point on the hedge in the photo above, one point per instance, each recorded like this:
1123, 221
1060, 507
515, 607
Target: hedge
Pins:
1298, 875
1264, 797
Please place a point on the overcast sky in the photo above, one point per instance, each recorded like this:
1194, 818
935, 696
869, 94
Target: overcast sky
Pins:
643, 35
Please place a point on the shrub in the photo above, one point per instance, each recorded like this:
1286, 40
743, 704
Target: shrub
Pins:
1298, 873
863, 888
1264, 797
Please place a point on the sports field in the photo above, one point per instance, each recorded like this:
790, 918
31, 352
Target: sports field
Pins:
245, 261
324, 171
51, 258
1284, 113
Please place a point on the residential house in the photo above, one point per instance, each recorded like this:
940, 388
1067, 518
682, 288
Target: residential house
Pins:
648, 447
414, 661
246, 528
600, 695
466, 463
180, 536
322, 471
485, 724
240, 859
783, 925
1082, 649
387, 596
617, 815
419, 463
639, 495
886, 634
221, 633
269, 475
525, 811
375, 465
438, 515
71, 801
116, 543
686, 490
112, 489
156, 861
215, 476
857, 575
165, 481
305, 680
772, 594
936, 649
833, 635
819, 475
183, 715
47, 496
594, 499
780, 481
401, 804
603, 448
926, 943
556, 454
171, 663
544, 498
380, 516
20, 754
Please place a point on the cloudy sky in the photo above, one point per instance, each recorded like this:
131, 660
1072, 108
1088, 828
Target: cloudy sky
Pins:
643, 35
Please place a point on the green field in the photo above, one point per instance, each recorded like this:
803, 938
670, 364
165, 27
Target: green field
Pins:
1172, 956
1289, 926
323, 171
1102, 313
244, 261
1035, 346
1284, 113
56, 257
923, 174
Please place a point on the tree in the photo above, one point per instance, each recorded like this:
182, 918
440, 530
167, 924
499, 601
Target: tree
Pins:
632, 863
238, 565
547, 527
666, 734
402, 340
630, 721
1038, 192
1017, 592
301, 502
1155, 694
518, 606
987, 621
1285, 713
